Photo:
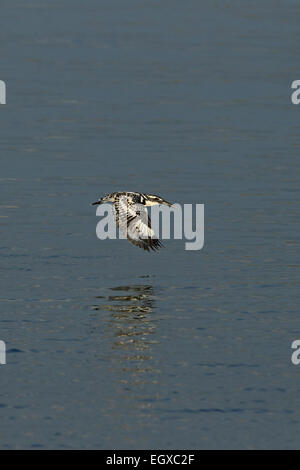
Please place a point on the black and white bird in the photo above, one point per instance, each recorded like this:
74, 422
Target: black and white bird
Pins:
132, 217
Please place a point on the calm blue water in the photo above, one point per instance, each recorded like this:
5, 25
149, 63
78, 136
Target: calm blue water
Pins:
109, 346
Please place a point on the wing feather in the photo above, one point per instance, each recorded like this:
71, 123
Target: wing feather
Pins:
134, 222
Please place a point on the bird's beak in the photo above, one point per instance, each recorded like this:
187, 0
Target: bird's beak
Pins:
97, 202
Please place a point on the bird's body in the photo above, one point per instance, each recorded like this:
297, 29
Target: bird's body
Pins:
132, 217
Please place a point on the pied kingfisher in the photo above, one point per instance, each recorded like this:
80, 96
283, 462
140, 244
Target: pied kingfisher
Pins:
132, 218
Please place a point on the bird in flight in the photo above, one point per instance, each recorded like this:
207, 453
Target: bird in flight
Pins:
132, 217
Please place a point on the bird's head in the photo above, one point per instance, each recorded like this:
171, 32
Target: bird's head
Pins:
153, 200
103, 200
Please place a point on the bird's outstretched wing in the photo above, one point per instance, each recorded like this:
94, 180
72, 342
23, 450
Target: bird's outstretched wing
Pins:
134, 222
141, 234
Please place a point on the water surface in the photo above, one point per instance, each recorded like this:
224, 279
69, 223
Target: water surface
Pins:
109, 346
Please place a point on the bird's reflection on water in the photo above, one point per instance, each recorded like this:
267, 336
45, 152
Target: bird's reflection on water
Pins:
131, 325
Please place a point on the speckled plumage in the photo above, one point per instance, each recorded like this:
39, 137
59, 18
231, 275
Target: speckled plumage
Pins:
132, 217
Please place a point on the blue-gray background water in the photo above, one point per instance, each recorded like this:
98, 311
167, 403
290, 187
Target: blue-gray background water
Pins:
109, 346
